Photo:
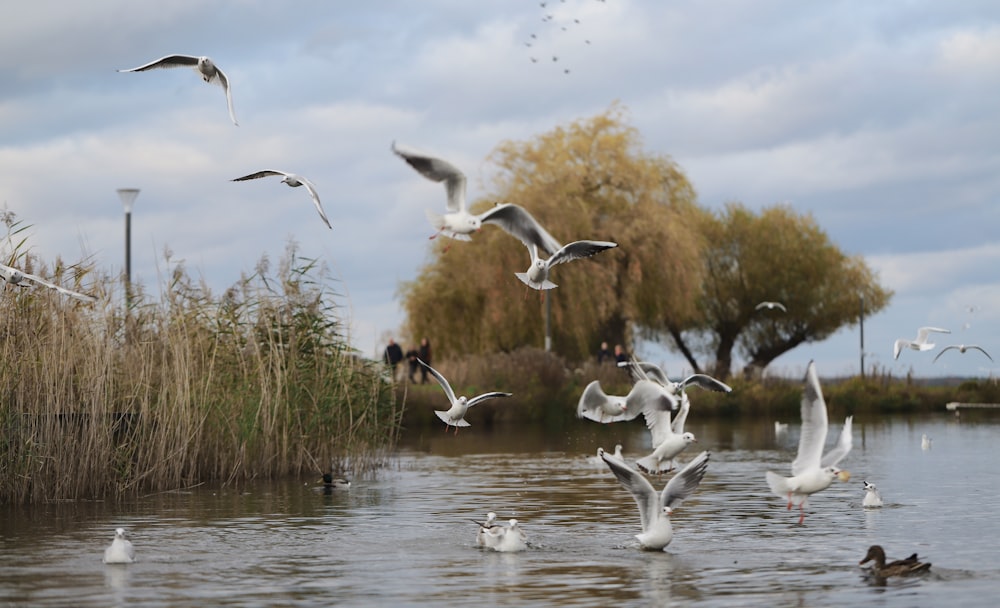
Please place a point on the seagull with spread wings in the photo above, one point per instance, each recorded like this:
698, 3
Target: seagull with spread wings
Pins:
209, 72
962, 348
455, 415
293, 181
17, 277
920, 343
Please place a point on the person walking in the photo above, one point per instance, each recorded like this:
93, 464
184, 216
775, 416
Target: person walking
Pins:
393, 355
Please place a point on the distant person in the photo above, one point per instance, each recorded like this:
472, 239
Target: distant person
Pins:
425, 355
393, 355
604, 355
411, 358
620, 355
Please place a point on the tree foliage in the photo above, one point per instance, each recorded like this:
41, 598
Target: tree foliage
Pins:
588, 180
776, 255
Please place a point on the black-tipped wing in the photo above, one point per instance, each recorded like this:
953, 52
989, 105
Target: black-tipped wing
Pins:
438, 170
517, 222
485, 396
170, 61
441, 380
579, 249
686, 481
259, 175
706, 382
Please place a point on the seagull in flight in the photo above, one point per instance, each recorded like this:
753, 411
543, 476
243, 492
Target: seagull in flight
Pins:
771, 306
203, 65
455, 415
920, 343
537, 275
16, 277
962, 348
293, 181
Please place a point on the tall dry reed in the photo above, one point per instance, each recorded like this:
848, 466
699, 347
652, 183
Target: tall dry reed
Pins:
100, 401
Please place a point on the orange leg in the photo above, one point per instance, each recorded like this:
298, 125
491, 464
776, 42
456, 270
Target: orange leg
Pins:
789, 501
802, 514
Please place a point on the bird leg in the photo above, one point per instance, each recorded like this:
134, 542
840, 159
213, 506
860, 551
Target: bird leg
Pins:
802, 513
789, 501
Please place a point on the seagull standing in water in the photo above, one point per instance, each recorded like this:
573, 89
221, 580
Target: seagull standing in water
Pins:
121, 550
17, 277
919, 343
811, 470
293, 181
455, 415
872, 497
203, 65
655, 509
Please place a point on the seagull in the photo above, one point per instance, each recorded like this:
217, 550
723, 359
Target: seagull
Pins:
209, 73
962, 348
121, 550
15, 277
655, 509
925, 442
780, 428
455, 415
537, 275
811, 470
293, 181
506, 539
920, 343
668, 437
484, 527
872, 497
599, 461
458, 223
643, 370
598, 406
771, 306
900, 567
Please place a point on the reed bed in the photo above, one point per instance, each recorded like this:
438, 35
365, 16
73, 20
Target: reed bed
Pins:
102, 401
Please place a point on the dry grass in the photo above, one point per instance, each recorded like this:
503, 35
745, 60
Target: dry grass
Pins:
99, 401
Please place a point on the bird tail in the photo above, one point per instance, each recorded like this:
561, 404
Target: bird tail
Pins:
546, 284
649, 464
443, 415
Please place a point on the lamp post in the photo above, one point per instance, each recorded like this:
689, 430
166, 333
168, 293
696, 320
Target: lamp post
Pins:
128, 198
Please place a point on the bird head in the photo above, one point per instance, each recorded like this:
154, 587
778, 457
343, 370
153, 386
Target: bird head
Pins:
689, 438
840, 474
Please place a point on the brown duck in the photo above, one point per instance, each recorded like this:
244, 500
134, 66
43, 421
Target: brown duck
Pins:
900, 567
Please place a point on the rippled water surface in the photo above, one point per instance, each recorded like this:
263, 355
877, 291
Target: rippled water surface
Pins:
404, 538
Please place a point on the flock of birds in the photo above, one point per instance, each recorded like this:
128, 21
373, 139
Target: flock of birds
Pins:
920, 343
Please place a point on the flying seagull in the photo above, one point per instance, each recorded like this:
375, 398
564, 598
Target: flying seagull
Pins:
293, 181
771, 306
455, 415
537, 275
962, 348
811, 470
643, 370
15, 277
203, 65
920, 343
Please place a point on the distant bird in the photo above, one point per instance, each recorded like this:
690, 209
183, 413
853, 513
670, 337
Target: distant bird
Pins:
491, 518
203, 65
505, 539
16, 277
655, 509
121, 550
872, 497
293, 181
926, 442
458, 223
599, 461
537, 275
335, 483
811, 470
455, 415
919, 344
771, 306
900, 567
962, 348
780, 428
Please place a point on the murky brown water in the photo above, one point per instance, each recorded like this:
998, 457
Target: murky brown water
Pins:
405, 539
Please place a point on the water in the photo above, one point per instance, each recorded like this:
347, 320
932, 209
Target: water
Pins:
405, 538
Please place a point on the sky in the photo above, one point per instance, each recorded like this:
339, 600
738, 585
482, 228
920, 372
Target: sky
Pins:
880, 119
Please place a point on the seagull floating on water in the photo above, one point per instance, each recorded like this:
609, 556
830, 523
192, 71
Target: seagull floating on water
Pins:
962, 348
900, 567
203, 65
925, 442
455, 415
121, 550
293, 181
16, 277
811, 470
491, 518
919, 344
771, 306
872, 497
655, 509
505, 539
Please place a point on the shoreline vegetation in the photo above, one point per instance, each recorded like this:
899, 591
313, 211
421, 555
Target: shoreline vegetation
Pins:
100, 401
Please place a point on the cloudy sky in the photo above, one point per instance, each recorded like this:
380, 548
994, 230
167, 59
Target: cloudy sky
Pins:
882, 119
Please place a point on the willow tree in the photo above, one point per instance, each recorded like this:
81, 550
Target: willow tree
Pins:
587, 180
776, 255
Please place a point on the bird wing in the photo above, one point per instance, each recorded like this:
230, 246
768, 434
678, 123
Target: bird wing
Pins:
315, 197
259, 175
924, 332
643, 370
579, 249
441, 380
75, 294
438, 170
657, 411
517, 222
170, 61
837, 452
980, 349
640, 488
946, 349
897, 346
685, 482
814, 424
224, 82
593, 400
706, 382
677, 426
485, 396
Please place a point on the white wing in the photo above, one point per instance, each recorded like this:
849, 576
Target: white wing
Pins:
579, 249
706, 382
442, 381
170, 61
315, 197
485, 396
677, 426
640, 488
685, 482
229, 94
924, 332
438, 170
814, 424
520, 224
74, 294
837, 453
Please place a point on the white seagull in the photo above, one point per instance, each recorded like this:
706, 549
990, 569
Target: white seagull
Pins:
599, 461
121, 550
811, 470
872, 497
771, 306
458, 223
655, 509
506, 539
643, 370
668, 436
203, 65
293, 181
598, 406
491, 518
16, 277
926, 442
780, 428
962, 348
537, 275
455, 415
920, 343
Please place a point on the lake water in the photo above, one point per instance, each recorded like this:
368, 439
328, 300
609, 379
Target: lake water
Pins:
404, 537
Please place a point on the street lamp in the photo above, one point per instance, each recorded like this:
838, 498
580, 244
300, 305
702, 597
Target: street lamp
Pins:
128, 198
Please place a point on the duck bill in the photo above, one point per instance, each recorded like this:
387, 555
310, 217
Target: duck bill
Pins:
844, 475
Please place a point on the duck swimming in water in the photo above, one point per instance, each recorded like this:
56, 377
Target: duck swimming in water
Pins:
899, 567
